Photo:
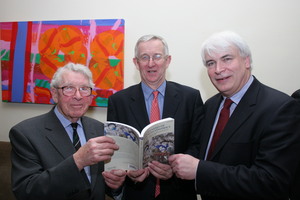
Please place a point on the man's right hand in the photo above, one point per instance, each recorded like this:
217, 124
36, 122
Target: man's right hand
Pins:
95, 150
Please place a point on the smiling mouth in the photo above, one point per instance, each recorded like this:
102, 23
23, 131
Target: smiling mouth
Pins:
222, 79
77, 106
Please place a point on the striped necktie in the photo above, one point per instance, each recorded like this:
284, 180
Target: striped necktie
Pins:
76, 141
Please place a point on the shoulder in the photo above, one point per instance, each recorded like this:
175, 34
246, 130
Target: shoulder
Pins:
127, 91
214, 100
36, 121
181, 88
35, 127
92, 125
91, 121
296, 95
272, 94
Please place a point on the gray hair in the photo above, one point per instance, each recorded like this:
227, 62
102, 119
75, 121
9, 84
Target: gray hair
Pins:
147, 38
222, 41
57, 77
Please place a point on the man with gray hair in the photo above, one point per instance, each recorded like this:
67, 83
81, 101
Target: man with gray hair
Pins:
133, 106
249, 134
61, 154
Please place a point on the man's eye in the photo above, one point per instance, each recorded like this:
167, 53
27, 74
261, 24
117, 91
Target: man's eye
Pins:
209, 64
145, 57
157, 57
227, 59
68, 88
84, 88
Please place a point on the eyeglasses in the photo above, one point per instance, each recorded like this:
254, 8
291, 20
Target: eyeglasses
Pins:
155, 58
71, 91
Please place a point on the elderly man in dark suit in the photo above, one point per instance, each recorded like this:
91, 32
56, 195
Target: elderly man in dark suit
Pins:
255, 155
45, 162
132, 106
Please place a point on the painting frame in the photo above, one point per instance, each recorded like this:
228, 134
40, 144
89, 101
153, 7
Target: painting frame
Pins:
31, 52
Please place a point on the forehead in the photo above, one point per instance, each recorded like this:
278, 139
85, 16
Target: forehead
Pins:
74, 78
150, 47
219, 53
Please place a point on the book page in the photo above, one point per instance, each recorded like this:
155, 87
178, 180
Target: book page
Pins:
158, 141
127, 138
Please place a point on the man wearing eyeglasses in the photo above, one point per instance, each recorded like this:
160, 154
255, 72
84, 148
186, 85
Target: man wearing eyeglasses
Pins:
133, 106
60, 154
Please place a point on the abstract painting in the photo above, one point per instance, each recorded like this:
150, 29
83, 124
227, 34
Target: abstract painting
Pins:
32, 51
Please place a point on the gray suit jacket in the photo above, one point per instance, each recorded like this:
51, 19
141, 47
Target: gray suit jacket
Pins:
42, 163
255, 157
182, 103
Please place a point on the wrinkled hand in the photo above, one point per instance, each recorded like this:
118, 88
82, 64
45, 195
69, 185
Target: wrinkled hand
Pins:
114, 178
138, 175
184, 166
160, 170
95, 150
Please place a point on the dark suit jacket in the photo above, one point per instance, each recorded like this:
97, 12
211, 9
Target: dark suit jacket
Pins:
257, 154
42, 163
182, 103
295, 190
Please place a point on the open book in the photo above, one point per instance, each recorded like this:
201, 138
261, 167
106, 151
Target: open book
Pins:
136, 150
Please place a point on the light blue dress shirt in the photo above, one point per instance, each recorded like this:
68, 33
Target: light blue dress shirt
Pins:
67, 125
147, 91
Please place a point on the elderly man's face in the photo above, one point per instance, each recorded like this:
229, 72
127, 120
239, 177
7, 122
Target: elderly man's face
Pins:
72, 107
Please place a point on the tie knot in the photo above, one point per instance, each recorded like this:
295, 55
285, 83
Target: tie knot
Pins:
74, 125
227, 103
155, 93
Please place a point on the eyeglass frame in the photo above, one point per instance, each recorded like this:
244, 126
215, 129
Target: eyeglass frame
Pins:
153, 58
80, 89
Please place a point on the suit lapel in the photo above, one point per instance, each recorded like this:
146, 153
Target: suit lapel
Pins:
138, 107
243, 111
171, 102
210, 114
58, 136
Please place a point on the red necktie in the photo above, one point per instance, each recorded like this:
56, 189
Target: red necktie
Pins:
154, 113
222, 121
154, 116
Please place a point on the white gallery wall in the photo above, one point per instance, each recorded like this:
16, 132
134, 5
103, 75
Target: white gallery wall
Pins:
271, 28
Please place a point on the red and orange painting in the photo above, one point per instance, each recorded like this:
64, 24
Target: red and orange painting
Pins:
32, 51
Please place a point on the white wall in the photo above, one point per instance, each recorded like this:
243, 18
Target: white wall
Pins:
271, 27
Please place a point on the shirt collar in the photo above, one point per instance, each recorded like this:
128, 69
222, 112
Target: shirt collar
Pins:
236, 98
148, 91
64, 121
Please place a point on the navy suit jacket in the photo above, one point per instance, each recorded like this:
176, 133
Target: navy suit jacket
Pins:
42, 163
182, 103
255, 157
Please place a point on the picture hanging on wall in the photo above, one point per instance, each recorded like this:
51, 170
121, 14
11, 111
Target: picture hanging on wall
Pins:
32, 51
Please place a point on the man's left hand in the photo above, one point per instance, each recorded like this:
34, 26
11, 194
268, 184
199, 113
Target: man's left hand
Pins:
160, 170
114, 178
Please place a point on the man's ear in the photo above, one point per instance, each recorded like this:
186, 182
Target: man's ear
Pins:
247, 62
135, 61
169, 58
54, 94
